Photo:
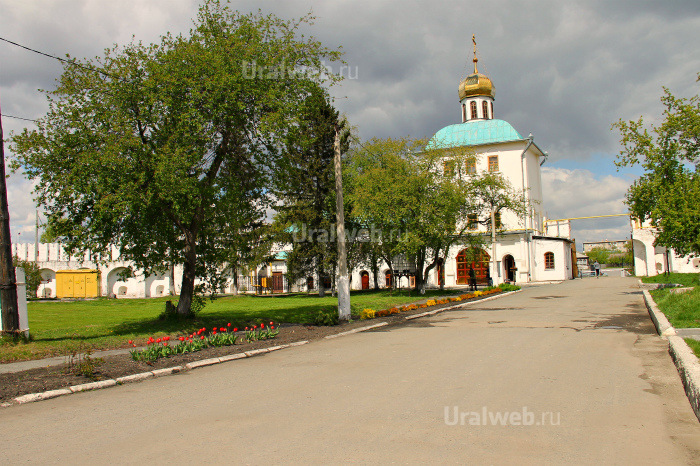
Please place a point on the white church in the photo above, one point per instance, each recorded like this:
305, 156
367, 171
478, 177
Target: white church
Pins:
527, 249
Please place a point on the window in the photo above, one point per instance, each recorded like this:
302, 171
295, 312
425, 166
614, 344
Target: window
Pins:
448, 167
472, 110
464, 112
485, 108
549, 260
493, 163
472, 221
491, 109
471, 166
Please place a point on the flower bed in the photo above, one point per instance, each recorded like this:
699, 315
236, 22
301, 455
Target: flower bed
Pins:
218, 336
371, 313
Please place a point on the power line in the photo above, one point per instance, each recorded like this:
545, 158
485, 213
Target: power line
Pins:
17, 118
63, 60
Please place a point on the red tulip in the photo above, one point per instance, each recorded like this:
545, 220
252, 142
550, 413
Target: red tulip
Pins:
158, 340
271, 323
272, 327
166, 338
229, 324
202, 337
134, 346
131, 342
181, 338
165, 343
235, 329
262, 325
222, 329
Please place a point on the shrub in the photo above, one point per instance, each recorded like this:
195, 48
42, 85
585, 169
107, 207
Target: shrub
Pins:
326, 318
508, 287
368, 314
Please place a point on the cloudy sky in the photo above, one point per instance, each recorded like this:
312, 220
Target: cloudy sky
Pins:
564, 71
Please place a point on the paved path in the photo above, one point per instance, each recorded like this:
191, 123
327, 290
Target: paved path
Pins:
583, 351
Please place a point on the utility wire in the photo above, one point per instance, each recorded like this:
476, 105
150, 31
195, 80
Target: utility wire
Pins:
17, 118
63, 60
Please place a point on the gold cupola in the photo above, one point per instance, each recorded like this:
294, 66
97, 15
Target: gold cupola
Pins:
476, 84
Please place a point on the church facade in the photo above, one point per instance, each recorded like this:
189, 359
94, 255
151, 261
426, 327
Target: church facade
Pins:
528, 248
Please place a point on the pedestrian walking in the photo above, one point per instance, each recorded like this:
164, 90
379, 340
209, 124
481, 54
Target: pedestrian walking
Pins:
472, 279
596, 267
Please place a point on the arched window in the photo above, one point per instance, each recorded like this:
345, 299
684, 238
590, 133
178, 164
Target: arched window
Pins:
548, 260
491, 109
485, 108
464, 113
472, 110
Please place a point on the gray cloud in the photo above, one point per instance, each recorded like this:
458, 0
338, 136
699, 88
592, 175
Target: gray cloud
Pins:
563, 70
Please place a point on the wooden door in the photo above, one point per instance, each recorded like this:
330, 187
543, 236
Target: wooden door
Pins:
364, 276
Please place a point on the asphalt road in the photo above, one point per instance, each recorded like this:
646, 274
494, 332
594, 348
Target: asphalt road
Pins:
576, 369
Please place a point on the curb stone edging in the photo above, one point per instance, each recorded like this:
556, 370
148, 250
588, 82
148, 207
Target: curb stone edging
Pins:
687, 364
663, 326
688, 368
31, 397
456, 306
356, 330
93, 385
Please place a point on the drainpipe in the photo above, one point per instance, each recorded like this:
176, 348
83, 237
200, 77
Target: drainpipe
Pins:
530, 140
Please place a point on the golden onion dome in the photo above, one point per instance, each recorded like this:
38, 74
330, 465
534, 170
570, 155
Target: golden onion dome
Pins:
476, 84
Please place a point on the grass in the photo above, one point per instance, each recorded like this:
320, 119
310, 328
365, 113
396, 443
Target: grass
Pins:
681, 309
685, 279
61, 328
694, 345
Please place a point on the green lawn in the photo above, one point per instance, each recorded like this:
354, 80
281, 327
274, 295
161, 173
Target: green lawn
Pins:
694, 345
59, 328
682, 309
685, 279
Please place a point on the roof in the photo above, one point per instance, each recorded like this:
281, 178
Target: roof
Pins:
473, 133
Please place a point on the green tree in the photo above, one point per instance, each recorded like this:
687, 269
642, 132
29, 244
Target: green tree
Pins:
306, 212
400, 193
668, 193
31, 273
172, 149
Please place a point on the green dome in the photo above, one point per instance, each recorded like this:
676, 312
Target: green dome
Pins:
473, 133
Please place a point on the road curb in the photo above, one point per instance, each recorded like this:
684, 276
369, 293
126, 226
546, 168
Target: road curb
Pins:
457, 306
683, 356
356, 330
688, 368
32, 397
663, 326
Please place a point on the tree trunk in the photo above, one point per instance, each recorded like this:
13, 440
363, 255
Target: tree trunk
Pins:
343, 285
319, 272
184, 304
8, 281
375, 270
235, 280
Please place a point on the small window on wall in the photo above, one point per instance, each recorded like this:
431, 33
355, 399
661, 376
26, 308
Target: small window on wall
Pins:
464, 112
548, 260
471, 166
448, 167
493, 163
472, 109
472, 221
485, 108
